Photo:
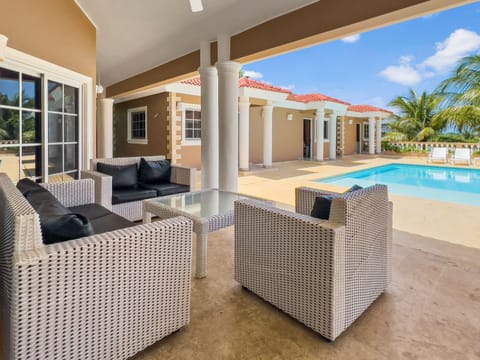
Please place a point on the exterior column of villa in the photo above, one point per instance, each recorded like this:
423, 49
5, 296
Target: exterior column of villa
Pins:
379, 136
228, 72
371, 135
320, 134
267, 134
209, 123
244, 132
332, 129
105, 128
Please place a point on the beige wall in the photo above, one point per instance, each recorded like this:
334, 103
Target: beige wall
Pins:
157, 109
190, 155
52, 30
287, 136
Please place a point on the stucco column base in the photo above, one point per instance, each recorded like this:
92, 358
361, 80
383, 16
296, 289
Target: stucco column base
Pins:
228, 72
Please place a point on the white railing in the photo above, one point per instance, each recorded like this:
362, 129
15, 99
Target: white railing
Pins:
429, 145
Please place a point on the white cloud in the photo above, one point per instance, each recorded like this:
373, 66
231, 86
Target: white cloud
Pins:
288, 87
459, 44
404, 73
351, 39
253, 74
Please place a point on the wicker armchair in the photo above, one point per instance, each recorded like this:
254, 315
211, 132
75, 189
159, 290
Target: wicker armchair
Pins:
106, 296
324, 273
131, 210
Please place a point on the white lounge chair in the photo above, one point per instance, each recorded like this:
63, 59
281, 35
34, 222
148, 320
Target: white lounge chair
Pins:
462, 156
438, 154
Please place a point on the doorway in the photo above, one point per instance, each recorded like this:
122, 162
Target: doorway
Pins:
359, 138
307, 138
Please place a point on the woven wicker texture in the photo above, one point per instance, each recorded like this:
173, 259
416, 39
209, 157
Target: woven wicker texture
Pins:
132, 210
106, 296
323, 273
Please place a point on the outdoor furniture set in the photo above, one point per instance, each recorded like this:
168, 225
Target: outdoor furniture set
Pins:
463, 156
122, 286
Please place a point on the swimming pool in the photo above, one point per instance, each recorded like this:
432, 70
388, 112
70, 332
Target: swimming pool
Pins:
456, 185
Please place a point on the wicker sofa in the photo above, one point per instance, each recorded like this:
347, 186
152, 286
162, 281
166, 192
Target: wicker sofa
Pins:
131, 210
106, 296
324, 273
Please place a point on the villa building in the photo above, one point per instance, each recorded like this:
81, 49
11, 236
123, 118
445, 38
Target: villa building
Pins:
274, 124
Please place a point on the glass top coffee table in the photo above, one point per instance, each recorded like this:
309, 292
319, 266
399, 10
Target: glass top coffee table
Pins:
210, 210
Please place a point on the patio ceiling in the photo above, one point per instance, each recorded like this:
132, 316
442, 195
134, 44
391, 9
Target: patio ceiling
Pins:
136, 36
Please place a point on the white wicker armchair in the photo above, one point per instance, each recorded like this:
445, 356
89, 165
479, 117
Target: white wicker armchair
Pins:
106, 296
323, 273
131, 210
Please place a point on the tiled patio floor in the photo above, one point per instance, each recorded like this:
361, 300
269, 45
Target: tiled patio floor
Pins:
430, 311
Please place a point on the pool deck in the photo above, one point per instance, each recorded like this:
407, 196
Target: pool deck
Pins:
451, 222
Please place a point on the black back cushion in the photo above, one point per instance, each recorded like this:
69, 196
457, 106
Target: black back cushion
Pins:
322, 205
153, 172
58, 223
123, 176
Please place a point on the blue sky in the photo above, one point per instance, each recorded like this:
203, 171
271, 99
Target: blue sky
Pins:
376, 66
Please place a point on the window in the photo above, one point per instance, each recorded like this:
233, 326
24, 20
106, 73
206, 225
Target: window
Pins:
42, 150
325, 130
365, 130
137, 125
192, 124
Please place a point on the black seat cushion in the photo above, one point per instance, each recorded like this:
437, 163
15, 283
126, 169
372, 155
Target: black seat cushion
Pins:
102, 219
154, 172
58, 223
120, 196
123, 176
163, 189
322, 205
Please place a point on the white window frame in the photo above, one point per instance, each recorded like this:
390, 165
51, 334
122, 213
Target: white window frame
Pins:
19, 61
130, 140
326, 130
184, 108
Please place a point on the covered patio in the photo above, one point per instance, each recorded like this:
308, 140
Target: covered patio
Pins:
282, 283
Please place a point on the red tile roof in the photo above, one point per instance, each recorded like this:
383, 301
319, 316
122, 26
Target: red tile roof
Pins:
315, 97
367, 108
245, 82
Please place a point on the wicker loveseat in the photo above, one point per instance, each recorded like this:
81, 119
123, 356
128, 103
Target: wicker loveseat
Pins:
324, 273
106, 296
132, 210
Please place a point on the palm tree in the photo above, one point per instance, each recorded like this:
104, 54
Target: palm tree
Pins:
417, 117
461, 97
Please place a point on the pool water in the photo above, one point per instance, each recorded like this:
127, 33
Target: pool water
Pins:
458, 185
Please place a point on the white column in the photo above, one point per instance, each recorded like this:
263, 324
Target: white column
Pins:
228, 124
267, 111
105, 128
244, 132
209, 142
332, 130
371, 135
379, 136
320, 134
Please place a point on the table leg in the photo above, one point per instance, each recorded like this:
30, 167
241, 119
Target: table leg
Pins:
147, 217
201, 254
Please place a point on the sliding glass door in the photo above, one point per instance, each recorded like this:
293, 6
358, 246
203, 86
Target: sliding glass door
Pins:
39, 127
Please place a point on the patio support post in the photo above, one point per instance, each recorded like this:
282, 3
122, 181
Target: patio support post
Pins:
267, 135
379, 136
228, 72
320, 134
244, 132
332, 129
209, 123
105, 128
371, 135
